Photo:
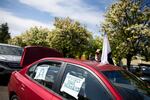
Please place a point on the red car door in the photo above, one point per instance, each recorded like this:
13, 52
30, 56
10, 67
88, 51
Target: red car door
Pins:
27, 87
28, 90
16, 83
36, 92
40, 86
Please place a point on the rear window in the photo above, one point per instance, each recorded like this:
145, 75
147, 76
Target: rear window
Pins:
129, 86
10, 50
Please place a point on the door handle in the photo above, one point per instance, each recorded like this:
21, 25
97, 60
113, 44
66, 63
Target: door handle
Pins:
22, 87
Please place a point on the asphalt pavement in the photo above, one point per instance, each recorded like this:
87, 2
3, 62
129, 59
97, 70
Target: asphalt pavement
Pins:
3, 93
3, 87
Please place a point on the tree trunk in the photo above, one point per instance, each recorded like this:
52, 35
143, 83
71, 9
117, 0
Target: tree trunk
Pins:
119, 62
129, 58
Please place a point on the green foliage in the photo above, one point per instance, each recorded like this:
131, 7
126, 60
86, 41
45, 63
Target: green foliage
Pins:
145, 47
128, 29
96, 43
69, 37
33, 37
18, 40
4, 34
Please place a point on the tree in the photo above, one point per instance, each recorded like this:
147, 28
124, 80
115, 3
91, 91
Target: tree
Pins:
128, 29
96, 43
145, 42
34, 37
17, 40
4, 34
69, 37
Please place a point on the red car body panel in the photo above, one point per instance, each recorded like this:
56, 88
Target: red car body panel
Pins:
28, 89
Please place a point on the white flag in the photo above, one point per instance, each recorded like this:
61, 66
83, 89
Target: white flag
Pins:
106, 51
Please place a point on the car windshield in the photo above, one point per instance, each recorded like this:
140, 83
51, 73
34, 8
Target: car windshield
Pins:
128, 85
10, 50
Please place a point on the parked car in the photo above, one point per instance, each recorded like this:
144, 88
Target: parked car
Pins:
134, 69
142, 71
10, 56
145, 72
58, 78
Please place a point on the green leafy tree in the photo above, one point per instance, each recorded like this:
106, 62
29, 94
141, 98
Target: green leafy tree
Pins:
128, 28
34, 37
17, 40
95, 43
4, 34
69, 37
145, 47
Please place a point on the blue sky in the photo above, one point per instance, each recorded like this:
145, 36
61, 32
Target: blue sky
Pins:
23, 14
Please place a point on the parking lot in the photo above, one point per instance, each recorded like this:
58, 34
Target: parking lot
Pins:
3, 87
3, 93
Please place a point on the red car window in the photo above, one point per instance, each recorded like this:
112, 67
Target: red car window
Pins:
128, 85
80, 84
45, 73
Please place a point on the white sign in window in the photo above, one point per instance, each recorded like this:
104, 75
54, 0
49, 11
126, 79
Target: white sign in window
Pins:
72, 85
41, 72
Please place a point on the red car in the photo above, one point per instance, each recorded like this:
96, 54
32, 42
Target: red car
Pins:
57, 78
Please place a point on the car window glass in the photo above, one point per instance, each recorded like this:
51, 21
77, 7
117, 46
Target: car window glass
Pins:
45, 73
129, 86
80, 84
10, 50
30, 72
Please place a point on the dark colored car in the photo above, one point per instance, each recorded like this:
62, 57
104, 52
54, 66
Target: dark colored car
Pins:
145, 72
134, 69
57, 78
10, 57
142, 71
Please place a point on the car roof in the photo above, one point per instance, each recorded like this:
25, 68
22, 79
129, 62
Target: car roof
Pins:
3, 44
94, 64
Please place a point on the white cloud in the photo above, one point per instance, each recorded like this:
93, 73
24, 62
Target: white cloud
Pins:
75, 9
17, 24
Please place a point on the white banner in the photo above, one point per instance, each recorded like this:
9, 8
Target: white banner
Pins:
41, 72
72, 85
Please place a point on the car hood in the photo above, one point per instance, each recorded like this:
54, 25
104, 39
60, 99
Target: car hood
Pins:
10, 58
34, 53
